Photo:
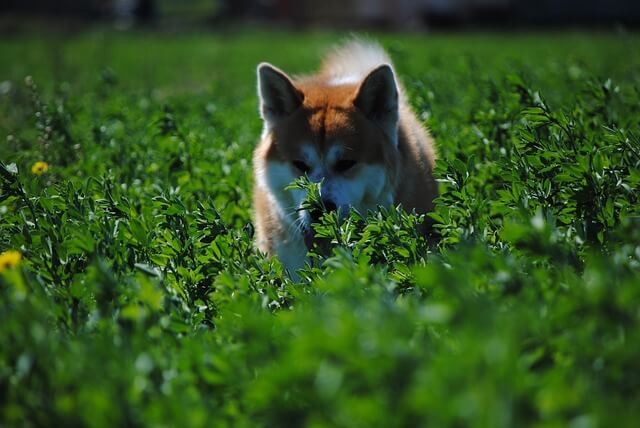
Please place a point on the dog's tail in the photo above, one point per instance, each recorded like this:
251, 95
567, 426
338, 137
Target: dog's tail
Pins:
353, 60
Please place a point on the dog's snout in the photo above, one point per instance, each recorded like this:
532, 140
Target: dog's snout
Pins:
329, 205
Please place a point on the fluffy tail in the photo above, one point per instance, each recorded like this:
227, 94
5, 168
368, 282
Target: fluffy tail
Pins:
353, 60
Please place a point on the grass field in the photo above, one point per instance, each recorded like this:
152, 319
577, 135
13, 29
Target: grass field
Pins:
130, 294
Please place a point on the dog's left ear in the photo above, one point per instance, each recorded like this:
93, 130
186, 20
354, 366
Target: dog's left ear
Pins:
377, 98
278, 95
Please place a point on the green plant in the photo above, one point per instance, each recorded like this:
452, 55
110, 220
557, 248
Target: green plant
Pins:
131, 294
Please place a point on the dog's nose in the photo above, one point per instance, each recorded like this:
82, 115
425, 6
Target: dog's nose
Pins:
329, 205
315, 216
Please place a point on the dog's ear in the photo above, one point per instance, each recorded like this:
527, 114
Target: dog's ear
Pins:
377, 98
278, 95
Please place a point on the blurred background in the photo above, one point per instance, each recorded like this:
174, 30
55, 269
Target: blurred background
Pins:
413, 15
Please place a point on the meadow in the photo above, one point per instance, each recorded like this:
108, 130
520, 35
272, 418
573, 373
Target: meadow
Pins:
131, 295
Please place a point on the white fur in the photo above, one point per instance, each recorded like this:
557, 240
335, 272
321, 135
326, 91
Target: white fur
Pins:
344, 80
292, 254
276, 178
368, 188
353, 61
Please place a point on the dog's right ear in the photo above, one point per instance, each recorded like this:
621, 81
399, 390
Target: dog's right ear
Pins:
377, 98
278, 95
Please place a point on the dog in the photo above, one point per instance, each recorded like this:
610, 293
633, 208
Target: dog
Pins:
350, 128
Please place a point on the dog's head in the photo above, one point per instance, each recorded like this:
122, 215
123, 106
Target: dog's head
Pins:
343, 134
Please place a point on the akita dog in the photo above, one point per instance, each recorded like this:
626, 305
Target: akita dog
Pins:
348, 127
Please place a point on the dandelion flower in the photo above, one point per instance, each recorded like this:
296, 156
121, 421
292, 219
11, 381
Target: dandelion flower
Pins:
9, 259
40, 168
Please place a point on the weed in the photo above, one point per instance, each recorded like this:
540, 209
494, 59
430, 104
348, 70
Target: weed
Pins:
131, 294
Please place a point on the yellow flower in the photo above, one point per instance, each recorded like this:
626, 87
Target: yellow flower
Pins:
9, 259
40, 168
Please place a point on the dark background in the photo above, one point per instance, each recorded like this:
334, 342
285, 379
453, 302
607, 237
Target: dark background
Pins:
379, 14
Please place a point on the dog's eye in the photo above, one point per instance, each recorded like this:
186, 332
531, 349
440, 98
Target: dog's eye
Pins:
344, 165
301, 166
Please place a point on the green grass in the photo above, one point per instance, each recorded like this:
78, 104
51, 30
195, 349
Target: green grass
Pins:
140, 300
